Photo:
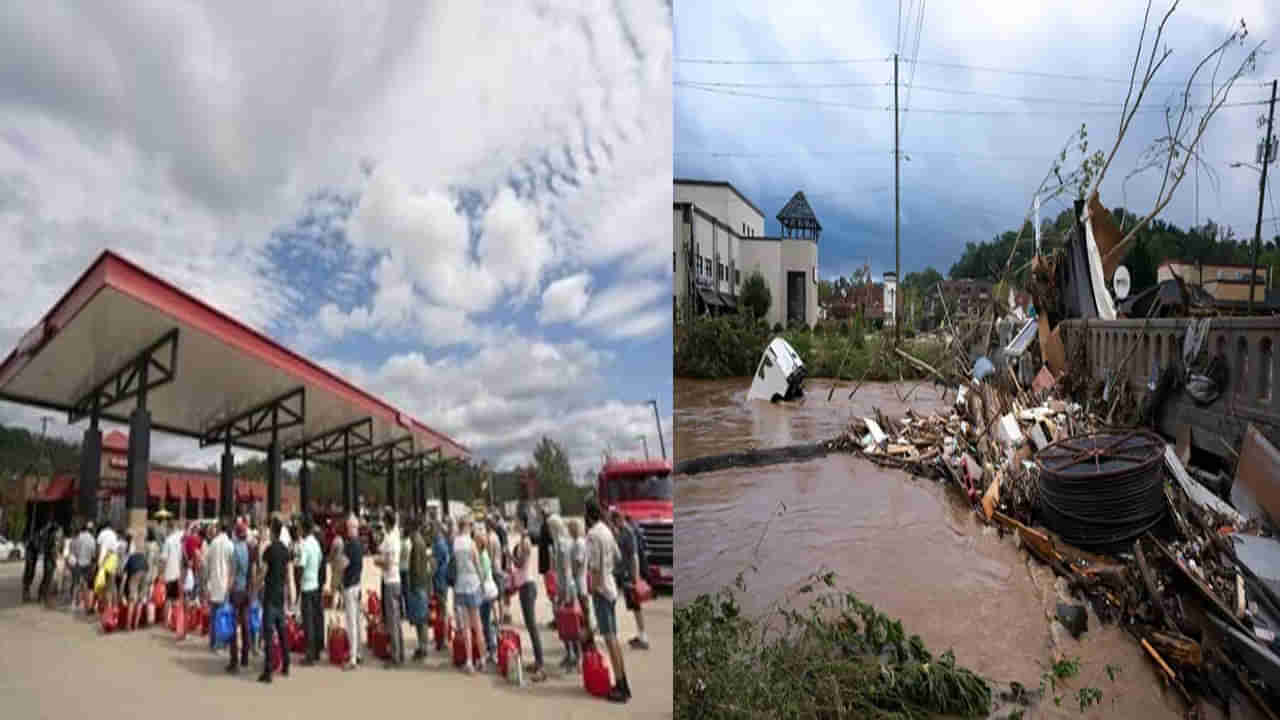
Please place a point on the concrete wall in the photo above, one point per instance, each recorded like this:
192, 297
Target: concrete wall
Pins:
801, 256
765, 255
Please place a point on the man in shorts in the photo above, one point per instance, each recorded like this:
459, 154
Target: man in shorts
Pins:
628, 571
602, 557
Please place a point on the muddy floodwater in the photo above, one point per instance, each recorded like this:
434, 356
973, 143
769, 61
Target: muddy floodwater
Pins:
907, 545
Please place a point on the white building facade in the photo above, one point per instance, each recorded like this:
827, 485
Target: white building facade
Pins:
890, 298
719, 241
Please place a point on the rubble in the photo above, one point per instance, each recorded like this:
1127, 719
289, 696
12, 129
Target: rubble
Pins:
1186, 555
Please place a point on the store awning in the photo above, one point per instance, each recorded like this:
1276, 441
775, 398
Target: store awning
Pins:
155, 486
710, 297
58, 488
177, 486
208, 373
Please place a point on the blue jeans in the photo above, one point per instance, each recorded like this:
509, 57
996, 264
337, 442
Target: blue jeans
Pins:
486, 617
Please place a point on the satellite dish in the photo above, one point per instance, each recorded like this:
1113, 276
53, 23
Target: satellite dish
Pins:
1121, 282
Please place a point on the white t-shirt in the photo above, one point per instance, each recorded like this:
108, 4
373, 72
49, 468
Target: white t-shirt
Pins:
602, 553
107, 542
218, 562
173, 556
390, 551
284, 536
465, 556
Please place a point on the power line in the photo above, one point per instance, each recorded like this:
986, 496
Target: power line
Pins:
938, 111
829, 61
951, 65
707, 83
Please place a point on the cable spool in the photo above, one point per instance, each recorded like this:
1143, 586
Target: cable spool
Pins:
1102, 490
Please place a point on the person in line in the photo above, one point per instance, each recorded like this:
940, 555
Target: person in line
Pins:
83, 548
218, 560
155, 557
193, 546
526, 583
418, 588
109, 570
240, 599
542, 536
310, 557
628, 572
441, 549
488, 593
406, 550
255, 587
389, 561
172, 566
52, 546
466, 587
562, 565
578, 561
337, 552
35, 541
352, 568
501, 561
135, 573
602, 557
273, 568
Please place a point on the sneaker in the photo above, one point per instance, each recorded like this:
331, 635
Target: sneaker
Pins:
348, 666
233, 668
639, 644
419, 654
618, 694
264, 678
467, 668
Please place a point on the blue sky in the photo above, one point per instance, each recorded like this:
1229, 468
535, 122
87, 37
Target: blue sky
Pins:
968, 176
472, 231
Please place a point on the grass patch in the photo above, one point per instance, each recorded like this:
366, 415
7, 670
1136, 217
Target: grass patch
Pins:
838, 657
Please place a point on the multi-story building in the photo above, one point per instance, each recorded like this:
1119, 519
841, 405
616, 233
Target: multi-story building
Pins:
719, 241
964, 297
1224, 281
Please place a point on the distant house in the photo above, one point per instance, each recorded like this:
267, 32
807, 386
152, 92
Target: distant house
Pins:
1226, 283
964, 297
719, 241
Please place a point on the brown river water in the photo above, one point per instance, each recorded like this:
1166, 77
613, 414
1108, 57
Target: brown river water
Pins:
909, 546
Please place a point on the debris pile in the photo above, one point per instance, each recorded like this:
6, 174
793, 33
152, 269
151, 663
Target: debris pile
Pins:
1118, 514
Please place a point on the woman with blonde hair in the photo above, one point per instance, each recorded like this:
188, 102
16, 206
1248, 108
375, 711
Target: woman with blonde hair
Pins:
562, 564
488, 592
467, 591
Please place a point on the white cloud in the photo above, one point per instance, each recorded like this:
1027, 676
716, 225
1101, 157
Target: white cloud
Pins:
565, 299
616, 308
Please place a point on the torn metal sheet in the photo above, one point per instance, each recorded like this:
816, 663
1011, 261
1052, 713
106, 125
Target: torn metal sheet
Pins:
1022, 340
1194, 490
1261, 556
1259, 659
1258, 475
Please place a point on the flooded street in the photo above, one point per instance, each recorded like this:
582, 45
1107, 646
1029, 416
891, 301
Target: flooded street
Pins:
714, 417
906, 545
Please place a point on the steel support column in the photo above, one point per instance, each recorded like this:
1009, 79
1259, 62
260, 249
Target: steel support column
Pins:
90, 471
391, 487
348, 478
139, 457
304, 486
227, 486
273, 475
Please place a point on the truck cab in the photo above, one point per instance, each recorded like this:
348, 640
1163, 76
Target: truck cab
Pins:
642, 491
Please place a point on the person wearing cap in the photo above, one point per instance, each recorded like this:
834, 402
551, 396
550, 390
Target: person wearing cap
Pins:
240, 599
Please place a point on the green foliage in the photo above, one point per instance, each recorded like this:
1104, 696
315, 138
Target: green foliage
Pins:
755, 295
1113, 671
730, 346
15, 515
1088, 696
839, 657
23, 452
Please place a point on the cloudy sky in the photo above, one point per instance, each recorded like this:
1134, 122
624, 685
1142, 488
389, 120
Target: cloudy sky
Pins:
458, 206
970, 174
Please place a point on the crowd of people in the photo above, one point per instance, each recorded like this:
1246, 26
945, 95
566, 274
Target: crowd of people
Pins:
476, 565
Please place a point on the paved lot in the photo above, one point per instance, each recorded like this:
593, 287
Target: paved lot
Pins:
55, 665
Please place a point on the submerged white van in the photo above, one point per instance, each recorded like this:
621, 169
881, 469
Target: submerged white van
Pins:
780, 375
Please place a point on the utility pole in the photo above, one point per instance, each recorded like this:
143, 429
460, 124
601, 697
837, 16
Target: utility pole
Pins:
658, 419
897, 253
1262, 189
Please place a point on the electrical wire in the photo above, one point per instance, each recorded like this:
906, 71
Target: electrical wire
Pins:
828, 61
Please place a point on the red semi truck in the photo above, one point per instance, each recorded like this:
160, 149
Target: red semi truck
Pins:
642, 490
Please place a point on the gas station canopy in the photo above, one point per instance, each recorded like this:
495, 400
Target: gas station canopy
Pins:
121, 332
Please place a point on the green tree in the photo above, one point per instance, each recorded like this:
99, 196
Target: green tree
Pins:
924, 281
552, 466
756, 296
